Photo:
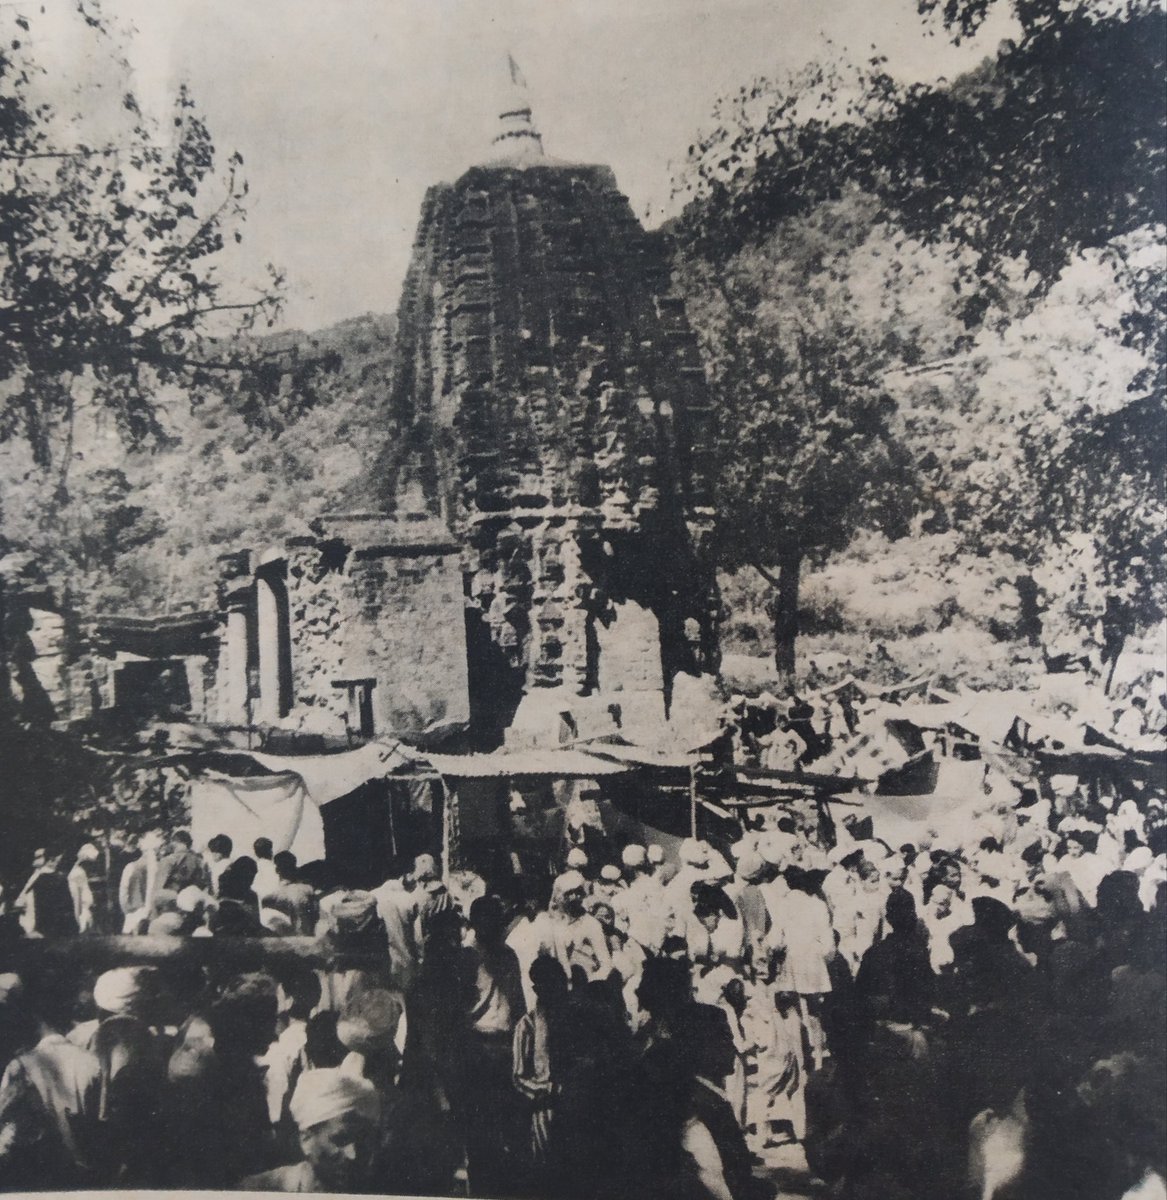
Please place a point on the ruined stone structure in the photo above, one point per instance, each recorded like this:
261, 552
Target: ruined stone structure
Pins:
548, 405
39, 679
359, 628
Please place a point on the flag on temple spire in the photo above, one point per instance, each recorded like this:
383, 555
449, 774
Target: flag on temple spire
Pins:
517, 76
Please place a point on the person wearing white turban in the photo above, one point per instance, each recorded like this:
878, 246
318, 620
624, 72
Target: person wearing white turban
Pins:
696, 858
577, 860
634, 858
125, 991
577, 938
609, 885
338, 1118
369, 1028
750, 901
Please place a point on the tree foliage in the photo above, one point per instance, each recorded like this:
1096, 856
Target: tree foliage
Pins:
804, 450
1014, 218
108, 266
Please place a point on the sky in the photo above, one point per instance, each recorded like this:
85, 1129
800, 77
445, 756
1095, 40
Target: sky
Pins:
346, 110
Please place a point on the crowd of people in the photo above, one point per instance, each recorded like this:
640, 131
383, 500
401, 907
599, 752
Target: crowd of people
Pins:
980, 1019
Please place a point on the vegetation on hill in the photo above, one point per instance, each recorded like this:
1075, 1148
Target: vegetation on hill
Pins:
933, 318
984, 261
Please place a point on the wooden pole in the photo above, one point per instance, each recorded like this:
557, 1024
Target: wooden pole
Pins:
692, 801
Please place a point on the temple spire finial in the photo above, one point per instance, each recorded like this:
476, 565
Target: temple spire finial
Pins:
517, 138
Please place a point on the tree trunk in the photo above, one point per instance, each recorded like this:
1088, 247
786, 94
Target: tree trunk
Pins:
786, 614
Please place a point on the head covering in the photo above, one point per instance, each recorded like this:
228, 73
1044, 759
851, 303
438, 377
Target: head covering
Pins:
324, 1094
369, 1021
633, 856
610, 873
192, 898
569, 881
655, 854
576, 858
88, 853
425, 868
750, 866
352, 922
1139, 859
693, 853
124, 991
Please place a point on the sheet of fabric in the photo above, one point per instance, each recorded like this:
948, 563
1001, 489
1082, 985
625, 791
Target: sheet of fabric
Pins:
272, 806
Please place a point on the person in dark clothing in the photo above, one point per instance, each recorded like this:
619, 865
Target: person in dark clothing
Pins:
182, 867
492, 991
53, 901
715, 1160
218, 1128
237, 883
986, 964
895, 981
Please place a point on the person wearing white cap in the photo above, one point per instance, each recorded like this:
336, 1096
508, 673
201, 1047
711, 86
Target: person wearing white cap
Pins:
643, 903
431, 898
634, 859
694, 868
577, 939
132, 1066
610, 883
750, 901
337, 1116
80, 887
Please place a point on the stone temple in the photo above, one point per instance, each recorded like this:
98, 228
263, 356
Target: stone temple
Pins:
526, 560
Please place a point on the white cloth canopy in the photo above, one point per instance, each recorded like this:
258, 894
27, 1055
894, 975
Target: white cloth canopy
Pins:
272, 806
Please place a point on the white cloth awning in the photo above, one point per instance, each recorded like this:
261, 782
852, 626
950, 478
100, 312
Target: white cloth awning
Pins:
330, 776
499, 764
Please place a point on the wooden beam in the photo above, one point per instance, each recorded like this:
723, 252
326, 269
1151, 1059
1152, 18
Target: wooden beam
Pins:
236, 953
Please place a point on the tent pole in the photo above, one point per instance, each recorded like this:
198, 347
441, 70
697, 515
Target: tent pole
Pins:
692, 801
447, 829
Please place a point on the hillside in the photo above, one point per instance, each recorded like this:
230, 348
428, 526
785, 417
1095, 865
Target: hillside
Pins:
139, 532
933, 317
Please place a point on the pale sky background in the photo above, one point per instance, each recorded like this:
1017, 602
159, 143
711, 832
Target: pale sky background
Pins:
346, 110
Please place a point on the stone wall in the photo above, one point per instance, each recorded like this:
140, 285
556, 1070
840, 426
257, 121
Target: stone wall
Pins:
369, 604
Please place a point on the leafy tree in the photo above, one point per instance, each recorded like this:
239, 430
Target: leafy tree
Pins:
1056, 144
803, 445
1036, 183
108, 267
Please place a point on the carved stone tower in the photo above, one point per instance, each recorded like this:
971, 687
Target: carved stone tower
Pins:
548, 403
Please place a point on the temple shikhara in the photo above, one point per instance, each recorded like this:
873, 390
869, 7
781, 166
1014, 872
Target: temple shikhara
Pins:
525, 562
